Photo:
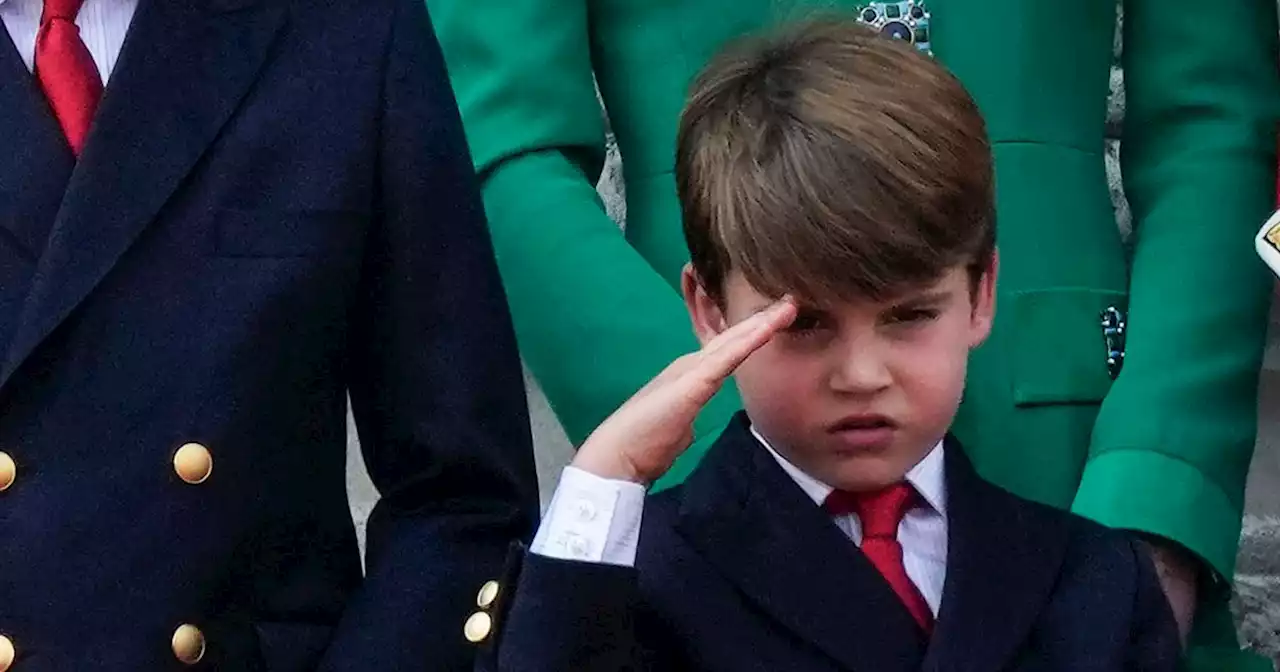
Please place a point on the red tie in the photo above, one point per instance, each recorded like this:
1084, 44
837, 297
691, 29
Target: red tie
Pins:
66, 71
880, 513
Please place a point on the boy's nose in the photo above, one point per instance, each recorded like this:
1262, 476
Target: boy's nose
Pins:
860, 369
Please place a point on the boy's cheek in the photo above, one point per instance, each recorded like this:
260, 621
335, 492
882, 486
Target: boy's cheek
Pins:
774, 370
754, 379
934, 388
777, 391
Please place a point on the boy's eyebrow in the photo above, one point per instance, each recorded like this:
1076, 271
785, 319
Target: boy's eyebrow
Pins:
935, 296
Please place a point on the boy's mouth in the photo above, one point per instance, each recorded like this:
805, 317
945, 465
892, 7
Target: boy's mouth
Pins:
864, 432
862, 422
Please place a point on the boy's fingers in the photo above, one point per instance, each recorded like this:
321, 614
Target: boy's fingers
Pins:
696, 377
722, 357
748, 335
689, 382
776, 316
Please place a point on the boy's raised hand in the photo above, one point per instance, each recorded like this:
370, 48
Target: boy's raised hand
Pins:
641, 440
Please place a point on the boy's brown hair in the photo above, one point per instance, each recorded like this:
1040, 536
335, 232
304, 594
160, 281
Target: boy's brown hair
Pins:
832, 163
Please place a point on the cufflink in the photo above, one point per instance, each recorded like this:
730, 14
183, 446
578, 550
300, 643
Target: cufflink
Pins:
906, 20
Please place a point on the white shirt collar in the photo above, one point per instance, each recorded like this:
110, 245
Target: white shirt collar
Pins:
927, 477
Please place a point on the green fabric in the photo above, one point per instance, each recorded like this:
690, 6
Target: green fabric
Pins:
1199, 170
597, 311
1136, 488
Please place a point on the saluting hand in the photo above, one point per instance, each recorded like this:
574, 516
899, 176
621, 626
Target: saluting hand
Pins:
642, 439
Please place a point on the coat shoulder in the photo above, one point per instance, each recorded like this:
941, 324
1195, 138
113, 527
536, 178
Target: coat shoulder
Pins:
1097, 554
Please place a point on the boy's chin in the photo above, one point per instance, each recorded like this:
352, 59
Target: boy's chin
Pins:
867, 473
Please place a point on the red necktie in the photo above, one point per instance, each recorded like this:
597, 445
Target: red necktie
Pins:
880, 513
66, 70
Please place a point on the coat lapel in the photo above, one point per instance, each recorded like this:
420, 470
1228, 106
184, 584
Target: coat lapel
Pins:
36, 162
1003, 559
183, 70
750, 520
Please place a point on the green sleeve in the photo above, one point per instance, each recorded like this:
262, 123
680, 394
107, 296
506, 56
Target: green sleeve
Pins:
593, 319
1175, 434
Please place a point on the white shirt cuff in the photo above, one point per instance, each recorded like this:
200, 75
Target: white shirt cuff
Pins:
592, 519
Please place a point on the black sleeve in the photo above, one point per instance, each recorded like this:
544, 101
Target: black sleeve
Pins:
436, 385
567, 615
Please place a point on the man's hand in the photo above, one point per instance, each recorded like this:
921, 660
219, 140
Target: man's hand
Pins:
1179, 575
641, 440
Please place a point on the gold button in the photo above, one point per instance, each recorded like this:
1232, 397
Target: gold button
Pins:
8, 472
477, 627
7, 653
488, 593
193, 463
188, 644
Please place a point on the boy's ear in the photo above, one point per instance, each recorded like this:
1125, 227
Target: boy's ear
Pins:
704, 312
984, 303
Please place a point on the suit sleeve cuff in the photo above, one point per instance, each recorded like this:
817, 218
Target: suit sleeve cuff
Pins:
592, 519
1149, 492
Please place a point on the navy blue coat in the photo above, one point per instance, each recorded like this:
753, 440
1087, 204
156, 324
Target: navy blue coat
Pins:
738, 571
275, 209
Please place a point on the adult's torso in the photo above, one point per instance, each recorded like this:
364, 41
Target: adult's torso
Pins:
190, 284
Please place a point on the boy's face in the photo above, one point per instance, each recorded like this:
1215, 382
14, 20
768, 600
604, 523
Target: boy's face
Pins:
857, 394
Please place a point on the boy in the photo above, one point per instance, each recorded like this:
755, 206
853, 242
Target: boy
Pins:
852, 176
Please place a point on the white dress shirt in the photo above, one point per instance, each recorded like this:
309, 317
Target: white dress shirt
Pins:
593, 519
103, 25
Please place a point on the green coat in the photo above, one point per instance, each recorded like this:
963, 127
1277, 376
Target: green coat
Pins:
1164, 449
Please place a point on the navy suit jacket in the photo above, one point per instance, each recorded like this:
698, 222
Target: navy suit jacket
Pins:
275, 209
738, 571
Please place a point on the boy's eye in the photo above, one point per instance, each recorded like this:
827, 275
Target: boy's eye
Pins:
913, 315
806, 322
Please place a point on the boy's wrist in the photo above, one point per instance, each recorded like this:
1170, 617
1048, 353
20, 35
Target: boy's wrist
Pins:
606, 465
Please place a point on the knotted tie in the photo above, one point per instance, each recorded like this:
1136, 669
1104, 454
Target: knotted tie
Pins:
66, 71
880, 513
